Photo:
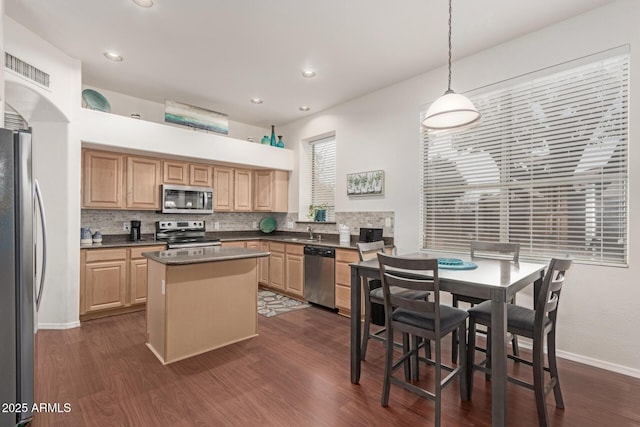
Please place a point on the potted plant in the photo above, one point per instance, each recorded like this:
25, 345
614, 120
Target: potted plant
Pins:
317, 212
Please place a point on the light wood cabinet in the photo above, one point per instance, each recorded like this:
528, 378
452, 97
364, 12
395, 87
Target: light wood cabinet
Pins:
143, 183
113, 281
176, 173
234, 244
344, 257
222, 189
271, 191
277, 266
263, 265
102, 179
242, 187
200, 175
294, 261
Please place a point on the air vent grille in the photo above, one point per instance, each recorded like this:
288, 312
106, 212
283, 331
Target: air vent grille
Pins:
26, 70
13, 120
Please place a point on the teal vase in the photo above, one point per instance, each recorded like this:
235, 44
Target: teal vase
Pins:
266, 140
280, 143
273, 136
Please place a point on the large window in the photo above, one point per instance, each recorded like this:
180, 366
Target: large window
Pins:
546, 167
323, 174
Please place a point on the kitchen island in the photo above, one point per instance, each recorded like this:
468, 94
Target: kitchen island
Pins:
200, 299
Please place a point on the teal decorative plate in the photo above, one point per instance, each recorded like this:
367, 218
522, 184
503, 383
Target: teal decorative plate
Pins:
456, 264
96, 101
268, 224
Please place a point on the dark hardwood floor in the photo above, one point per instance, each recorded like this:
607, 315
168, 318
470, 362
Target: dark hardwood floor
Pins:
295, 373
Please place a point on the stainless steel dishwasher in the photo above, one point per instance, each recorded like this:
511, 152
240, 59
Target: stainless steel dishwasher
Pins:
319, 275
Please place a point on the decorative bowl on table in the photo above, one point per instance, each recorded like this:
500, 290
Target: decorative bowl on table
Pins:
456, 264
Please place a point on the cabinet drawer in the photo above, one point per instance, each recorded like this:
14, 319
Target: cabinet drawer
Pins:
347, 256
343, 297
276, 247
136, 253
343, 273
295, 249
94, 255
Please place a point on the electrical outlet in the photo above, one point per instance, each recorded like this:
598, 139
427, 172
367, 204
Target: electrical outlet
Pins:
290, 225
125, 226
254, 224
387, 222
216, 225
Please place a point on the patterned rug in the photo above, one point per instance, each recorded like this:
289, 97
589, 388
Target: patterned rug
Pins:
271, 304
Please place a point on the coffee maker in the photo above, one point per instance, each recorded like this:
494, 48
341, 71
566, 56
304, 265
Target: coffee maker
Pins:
134, 231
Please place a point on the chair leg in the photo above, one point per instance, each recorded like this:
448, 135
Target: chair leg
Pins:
367, 324
553, 368
538, 381
454, 334
388, 363
487, 375
471, 353
414, 358
514, 346
462, 350
406, 347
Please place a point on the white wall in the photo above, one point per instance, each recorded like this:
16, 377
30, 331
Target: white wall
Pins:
598, 318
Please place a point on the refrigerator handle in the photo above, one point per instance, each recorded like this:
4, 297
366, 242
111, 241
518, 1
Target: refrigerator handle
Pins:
44, 243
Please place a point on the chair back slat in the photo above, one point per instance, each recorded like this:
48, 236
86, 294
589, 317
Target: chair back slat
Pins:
416, 274
368, 250
549, 297
495, 250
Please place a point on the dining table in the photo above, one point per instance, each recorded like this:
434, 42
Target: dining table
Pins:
496, 280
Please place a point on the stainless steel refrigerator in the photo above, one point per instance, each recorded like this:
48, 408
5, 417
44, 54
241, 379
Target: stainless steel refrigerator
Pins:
22, 240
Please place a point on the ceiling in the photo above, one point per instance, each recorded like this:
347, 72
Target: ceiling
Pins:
219, 54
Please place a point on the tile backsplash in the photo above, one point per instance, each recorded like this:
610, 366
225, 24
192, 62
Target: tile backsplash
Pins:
111, 221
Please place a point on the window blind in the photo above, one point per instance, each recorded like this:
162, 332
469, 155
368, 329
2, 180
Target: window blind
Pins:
546, 168
323, 174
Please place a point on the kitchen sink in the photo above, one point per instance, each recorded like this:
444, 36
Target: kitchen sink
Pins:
295, 239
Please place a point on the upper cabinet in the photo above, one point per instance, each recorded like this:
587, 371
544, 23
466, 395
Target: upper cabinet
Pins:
222, 189
183, 173
102, 179
271, 191
143, 183
242, 190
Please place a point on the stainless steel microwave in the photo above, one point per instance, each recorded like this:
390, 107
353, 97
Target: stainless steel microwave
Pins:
186, 199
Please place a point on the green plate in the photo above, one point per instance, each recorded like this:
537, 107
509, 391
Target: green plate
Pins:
96, 101
456, 264
268, 224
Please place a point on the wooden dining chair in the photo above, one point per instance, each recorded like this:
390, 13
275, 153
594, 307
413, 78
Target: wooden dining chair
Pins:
534, 324
418, 319
490, 250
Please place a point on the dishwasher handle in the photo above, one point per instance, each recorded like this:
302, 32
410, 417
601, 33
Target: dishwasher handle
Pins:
321, 251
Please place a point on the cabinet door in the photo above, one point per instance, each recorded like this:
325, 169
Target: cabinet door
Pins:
343, 278
295, 274
102, 179
143, 183
242, 200
200, 175
276, 271
138, 281
222, 189
105, 285
234, 244
175, 173
263, 265
262, 192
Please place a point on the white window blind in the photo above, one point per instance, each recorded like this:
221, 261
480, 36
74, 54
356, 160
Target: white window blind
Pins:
323, 174
546, 168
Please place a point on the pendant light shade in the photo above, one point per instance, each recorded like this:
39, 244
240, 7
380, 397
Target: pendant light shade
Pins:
451, 110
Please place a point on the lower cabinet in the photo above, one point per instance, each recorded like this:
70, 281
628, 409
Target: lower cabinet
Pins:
294, 261
113, 280
277, 266
263, 265
234, 244
344, 257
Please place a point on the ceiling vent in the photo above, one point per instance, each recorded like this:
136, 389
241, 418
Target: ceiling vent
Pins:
13, 120
26, 70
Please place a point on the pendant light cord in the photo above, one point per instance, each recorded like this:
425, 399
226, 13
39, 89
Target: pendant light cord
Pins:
449, 85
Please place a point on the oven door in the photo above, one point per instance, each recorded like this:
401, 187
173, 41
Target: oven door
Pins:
185, 199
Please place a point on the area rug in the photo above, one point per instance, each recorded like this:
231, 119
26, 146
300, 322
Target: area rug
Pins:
271, 303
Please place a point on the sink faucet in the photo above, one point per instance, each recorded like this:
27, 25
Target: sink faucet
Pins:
310, 232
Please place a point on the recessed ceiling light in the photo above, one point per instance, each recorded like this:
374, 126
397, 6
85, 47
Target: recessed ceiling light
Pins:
144, 3
308, 74
113, 56
256, 100
304, 108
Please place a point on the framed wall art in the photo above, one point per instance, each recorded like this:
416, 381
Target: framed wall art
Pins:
195, 117
369, 183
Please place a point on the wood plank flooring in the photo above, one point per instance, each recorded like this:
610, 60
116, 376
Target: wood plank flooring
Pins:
295, 373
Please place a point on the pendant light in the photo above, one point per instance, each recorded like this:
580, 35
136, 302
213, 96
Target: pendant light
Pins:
451, 110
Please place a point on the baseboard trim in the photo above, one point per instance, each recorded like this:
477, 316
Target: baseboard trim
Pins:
59, 326
591, 361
